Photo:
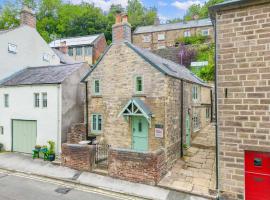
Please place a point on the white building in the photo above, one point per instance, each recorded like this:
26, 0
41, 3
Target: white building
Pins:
38, 104
24, 47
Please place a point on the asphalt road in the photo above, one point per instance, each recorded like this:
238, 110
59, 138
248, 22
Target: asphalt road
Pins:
16, 186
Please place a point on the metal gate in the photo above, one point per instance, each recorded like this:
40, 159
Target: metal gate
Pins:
101, 159
257, 175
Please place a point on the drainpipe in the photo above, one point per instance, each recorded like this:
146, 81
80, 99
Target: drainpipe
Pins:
216, 109
86, 108
182, 117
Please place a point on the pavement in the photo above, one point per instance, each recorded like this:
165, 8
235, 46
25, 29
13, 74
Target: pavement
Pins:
15, 162
195, 173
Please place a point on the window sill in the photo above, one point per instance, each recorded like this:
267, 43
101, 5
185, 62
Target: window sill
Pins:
96, 96
139, 95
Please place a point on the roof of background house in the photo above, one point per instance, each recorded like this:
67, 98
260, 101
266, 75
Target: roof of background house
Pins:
74, 41
173, 26
163, 65
41, 75
65, 58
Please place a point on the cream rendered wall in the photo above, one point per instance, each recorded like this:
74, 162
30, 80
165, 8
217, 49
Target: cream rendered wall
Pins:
21, 106
30, 46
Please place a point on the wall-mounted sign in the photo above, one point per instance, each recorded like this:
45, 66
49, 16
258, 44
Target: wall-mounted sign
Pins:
159, 131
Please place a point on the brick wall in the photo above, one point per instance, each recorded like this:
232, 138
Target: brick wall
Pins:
79, 157
243, 36
99, 48
132, 166
77, 134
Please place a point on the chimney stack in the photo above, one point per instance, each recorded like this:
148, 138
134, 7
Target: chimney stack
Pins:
121, 30
28, 17
63, 47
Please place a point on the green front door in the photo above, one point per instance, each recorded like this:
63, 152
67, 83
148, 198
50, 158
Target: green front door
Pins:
24, 135
188, 136
139, 134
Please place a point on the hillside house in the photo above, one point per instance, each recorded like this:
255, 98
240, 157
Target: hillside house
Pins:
139, 102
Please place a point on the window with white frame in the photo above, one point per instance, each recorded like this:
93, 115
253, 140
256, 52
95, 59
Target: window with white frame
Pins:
196, 122
46, 57
161, 36
96, 87
6, 100
87, 50
44, 100
195, 92
1, 130
96, 125
147, 38
138, 84
36, 100
12, 48
205, 32
187, 33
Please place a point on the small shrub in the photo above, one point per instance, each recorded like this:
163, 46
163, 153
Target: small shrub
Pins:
192, 40
51, 147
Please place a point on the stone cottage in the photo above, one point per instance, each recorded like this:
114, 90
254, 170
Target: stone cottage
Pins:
243, 73
146, 107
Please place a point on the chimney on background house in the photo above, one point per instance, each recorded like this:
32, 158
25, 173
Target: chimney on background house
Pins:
63, 47
121, 30
28, 17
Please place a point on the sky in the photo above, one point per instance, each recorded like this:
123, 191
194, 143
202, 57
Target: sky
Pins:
167, 9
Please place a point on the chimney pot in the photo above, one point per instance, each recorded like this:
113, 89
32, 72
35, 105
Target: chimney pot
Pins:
28, 17
118, 18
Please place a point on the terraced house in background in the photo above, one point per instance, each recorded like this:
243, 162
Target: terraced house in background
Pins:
160, 36
83, 48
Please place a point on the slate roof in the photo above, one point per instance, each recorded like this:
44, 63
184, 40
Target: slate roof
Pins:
173, 26
166, 66
75, 41
142, 105
42, 75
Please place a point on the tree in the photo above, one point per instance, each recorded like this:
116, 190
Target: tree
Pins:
186, 55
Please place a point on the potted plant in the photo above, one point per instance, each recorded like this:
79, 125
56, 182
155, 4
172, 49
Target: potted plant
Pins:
37, 147
51, 151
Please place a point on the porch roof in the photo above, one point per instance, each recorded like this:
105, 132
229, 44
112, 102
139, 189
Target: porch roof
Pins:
136, 107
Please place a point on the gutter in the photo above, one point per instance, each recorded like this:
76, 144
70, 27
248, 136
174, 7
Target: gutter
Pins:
216, 109
182, 117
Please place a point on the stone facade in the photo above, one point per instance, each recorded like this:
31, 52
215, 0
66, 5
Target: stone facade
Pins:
79, 157
243, 89
170, 37
146, 168
77, 134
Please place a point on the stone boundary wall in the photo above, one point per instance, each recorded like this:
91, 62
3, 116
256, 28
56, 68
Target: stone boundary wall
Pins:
79, 157
141, 167
77, 134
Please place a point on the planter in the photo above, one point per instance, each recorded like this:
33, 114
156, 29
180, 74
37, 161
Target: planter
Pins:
51, 157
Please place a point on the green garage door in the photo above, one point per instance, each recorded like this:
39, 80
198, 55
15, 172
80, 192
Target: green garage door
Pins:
24, 135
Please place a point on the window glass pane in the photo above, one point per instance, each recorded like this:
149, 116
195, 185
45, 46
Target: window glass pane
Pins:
44, 100
94, 122
6, 100
99, 122
97, 86
139, 86
87, 50
140, 126
36, 101
70, 51
79, 51
12, 48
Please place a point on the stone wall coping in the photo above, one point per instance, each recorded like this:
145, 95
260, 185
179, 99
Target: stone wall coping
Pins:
79, 145
122, 150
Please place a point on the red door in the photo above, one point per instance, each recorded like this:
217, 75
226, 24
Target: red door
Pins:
257, 175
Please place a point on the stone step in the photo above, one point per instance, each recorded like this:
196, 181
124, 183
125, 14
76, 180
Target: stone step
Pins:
99, 171
56, 162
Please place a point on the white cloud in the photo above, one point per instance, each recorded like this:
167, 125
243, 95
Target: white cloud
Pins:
185, 5
103, 4
162, 3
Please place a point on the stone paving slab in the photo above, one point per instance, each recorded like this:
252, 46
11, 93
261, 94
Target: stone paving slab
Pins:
195, 173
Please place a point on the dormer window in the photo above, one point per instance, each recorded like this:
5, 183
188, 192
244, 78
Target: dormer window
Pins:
46, 57
12, 48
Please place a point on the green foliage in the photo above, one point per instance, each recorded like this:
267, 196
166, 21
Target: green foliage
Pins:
197, 39
51, 150
176, 20
9, 17
200, 10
